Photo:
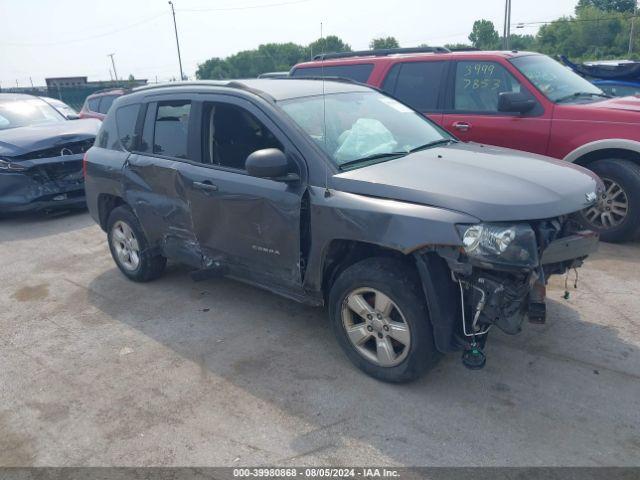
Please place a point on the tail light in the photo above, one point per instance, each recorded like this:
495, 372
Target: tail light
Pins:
84, 164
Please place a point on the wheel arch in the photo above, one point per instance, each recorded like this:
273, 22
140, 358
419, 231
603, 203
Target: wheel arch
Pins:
431, 271
106, 203
601, 149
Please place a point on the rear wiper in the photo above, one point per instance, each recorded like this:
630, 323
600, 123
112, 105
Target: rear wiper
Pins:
581, 94
435, 143
377, 156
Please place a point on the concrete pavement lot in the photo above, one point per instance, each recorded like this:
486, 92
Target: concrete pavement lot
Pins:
97, 370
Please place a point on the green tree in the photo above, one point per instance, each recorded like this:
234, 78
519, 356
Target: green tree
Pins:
592, 34
214, 69
454, 46
484, 35
522, 42
328, 44
131, 77
380, 43
624, 6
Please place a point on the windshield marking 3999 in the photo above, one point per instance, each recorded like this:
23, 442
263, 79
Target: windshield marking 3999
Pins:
359, 128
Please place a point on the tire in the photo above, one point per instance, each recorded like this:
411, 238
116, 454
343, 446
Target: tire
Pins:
148, 266
399, 282
626, 175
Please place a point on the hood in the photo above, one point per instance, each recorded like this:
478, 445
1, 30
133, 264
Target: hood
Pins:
631, 104
19, 141
489, 183
612, 110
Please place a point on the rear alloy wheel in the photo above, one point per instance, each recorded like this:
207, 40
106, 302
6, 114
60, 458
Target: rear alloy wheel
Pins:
126, 246
616, 214
130, 249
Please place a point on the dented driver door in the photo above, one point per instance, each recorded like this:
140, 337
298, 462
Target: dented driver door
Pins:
251, 225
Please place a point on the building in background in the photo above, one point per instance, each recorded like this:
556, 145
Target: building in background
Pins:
74, 90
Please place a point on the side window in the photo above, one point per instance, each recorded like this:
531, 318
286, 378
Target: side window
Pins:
105, 103
359, 73
478, 85
92, 104
171, 128
126, 118
231, 134
416, 83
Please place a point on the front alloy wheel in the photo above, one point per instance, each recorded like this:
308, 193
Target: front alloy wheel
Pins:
376, 327
611, 209
379, 315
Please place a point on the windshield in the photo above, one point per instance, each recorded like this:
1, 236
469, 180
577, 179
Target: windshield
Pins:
554, 80
62, 107
24, 113
362, 127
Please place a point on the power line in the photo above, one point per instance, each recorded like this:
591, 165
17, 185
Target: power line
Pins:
246, 7
575, 20
100, 35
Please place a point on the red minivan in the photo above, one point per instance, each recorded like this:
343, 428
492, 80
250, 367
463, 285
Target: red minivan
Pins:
521, 100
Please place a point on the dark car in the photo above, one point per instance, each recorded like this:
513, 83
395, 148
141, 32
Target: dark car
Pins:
417, 243
63, 109
98, 104
41, 155
520, 100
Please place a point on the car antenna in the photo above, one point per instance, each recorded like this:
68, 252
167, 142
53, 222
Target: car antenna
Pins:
327, 192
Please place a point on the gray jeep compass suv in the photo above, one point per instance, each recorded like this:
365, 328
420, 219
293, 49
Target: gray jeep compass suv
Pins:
331, 193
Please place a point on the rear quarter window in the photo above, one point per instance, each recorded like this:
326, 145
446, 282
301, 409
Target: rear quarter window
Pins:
359, 73
416, 83
126, 118
92, 104
105, 103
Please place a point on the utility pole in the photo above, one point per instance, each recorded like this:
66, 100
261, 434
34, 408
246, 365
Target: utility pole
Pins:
506, 32
175, 27
113, 63
633, 26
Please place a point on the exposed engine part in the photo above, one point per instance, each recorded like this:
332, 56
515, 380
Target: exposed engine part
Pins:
537, 308
473, 356
495, 300
566, 282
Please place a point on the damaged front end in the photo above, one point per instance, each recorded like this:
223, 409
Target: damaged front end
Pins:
43, 179
502, 271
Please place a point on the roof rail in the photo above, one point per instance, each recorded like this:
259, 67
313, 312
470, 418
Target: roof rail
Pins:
153, 86
237, 84
380, 52
464, 49
110, 89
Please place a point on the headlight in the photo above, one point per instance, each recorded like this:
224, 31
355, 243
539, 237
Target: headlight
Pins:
6, 166
500, 245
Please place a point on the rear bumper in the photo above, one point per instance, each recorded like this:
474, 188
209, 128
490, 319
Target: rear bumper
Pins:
45, 184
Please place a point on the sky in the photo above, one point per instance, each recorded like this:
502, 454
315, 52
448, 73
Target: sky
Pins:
47, 38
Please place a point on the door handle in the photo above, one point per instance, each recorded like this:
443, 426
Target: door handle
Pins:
206, 186
462, 126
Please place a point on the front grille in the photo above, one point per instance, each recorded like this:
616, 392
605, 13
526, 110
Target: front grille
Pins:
74, 148
68, 170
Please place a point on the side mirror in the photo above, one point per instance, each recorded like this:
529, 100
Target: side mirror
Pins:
515, 102
269, 163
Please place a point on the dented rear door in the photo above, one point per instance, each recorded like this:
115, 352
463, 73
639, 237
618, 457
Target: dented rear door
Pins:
154, 183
